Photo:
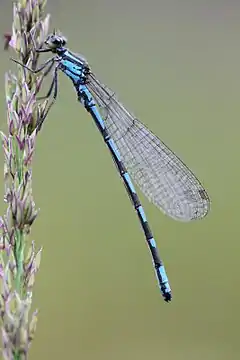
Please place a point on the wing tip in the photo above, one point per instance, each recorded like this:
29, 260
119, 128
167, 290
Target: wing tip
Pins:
191, 213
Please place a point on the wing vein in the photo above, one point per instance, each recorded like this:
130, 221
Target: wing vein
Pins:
163, 178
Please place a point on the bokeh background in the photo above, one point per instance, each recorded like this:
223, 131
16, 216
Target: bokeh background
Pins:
175, 64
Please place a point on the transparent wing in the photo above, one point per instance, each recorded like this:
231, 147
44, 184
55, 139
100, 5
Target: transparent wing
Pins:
164, 179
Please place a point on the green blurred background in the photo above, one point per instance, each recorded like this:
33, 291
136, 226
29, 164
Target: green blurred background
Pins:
176, 65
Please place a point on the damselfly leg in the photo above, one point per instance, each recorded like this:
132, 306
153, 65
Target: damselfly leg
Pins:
53, 88
48, 62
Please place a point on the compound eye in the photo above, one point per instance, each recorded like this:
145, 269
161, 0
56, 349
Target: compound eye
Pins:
56, 41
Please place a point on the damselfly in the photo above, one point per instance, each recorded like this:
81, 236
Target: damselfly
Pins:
164, 179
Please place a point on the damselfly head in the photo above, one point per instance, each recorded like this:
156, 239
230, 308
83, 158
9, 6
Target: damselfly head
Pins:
54, 41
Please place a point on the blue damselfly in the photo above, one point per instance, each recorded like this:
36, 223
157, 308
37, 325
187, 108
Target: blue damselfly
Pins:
164, 179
